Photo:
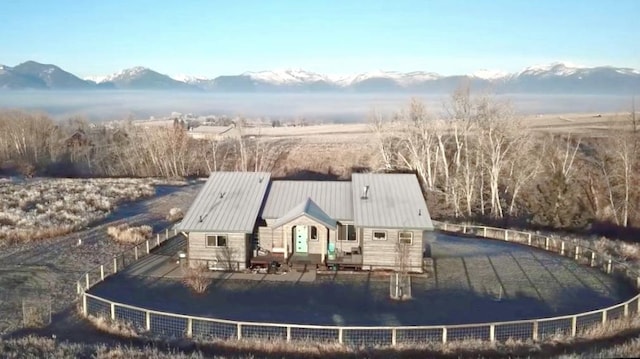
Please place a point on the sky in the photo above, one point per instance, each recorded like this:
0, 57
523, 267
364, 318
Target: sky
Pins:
209, 38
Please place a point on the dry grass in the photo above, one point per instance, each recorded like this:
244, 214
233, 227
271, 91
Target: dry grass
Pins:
125, 234
197, 278
175, 214
45, 208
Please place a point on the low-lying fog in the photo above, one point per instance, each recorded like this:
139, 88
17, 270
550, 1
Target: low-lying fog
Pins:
109, 105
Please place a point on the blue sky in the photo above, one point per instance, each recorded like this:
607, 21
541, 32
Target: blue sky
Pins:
210, 38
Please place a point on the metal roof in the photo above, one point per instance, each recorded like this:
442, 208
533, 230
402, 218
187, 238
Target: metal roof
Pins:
310, 209
228, 202
392, 201
333, 197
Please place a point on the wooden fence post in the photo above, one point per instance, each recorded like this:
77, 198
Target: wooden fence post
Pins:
393, 337
574, 325
102, 272
577, 256
189, 327
175, 232
529, 240
604, 317
115, 264
166, 234
534, 330
444, 335
113, 311
626, 309
147, 242
148, 320
340, 336
562, 248
492, 333
546, 243
609, 266
84, 304
288, 333
239, 330
484, 232
593, 259
87, 279
157, 239
135, 252
506, 235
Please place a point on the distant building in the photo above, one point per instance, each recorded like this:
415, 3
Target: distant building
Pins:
374, 221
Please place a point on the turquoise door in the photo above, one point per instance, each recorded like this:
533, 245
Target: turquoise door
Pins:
302, 233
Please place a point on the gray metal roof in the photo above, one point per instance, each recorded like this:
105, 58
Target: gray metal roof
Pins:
393, 201
332, 196
310, 209
228, 202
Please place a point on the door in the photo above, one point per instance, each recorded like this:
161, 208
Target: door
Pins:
302, 234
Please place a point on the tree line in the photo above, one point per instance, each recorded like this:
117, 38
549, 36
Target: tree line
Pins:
476, 160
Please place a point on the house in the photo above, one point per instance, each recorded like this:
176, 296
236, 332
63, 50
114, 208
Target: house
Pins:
373, 221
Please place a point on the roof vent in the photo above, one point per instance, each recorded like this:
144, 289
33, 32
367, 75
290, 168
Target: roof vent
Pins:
419, 212
365, 192
221, 195
200, 219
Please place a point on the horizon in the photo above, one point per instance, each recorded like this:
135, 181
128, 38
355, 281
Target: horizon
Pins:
209, 39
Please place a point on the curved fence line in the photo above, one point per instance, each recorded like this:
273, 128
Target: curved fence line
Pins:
180, 325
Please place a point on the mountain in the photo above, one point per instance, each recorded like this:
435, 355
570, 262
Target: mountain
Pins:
554, 78
142, 78
34, 75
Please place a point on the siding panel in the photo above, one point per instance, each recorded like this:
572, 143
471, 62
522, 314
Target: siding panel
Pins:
235, 254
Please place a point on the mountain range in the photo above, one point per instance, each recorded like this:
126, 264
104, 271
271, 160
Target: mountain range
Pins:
554, 78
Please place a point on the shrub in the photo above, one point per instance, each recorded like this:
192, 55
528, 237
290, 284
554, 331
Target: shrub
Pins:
175, 214
197, 278
126, 234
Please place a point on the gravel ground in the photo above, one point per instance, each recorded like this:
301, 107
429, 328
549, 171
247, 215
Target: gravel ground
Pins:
48, 269
474, 280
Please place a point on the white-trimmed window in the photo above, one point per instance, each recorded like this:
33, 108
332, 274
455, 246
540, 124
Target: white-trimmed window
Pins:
379, 236
348, 233
216, 240
405, 237
313, 233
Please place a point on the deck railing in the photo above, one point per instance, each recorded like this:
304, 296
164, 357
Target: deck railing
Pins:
176, 325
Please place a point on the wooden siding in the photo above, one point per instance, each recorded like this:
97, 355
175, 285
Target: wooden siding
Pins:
235, 255
271, 238
341, 243
315, 246
384, 253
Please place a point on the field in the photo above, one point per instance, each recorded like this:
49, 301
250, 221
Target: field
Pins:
46, 270
475, 281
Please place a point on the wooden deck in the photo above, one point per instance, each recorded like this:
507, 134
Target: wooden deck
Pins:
308, 261
266, 260
353, 261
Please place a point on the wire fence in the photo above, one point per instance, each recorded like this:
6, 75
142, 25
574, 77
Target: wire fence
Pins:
172, 325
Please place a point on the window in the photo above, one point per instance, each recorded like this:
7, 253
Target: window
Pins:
314, 233
405, 237
349, 233
218, 240
379, 236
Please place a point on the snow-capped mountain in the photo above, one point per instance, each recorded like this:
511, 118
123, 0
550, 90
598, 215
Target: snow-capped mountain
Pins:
558, 77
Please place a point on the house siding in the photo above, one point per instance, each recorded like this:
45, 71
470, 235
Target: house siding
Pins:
235, 255
383, 254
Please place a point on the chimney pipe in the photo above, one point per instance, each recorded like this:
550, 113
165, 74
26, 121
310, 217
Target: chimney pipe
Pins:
365, 192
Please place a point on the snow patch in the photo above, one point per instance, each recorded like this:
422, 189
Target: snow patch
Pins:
486, 74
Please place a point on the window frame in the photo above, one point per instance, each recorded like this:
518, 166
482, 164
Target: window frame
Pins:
373, 235
217, 240
313, 229
403, 240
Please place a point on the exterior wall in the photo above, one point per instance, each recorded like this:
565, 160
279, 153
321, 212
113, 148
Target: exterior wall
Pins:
384, 254
271, 239
233, 257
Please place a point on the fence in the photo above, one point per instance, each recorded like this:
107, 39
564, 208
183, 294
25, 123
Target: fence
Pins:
175, 325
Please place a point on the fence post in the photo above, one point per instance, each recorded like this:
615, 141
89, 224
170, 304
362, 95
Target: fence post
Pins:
102, 272
147, 242
166, 234
506, 235
529, 240
340, 336
239, 329
562, 248
484, 232
84, 304
574, 325
147, 315
444, 334
445, 226
189, 327
115, 264
464, 229
593, 259
546, 243
492, 333
157, 239
175, 232
113, 311
135, 252
626, 309
393, 337
604, 317
87, 278
577, 252
534, 330
78, 287
609, 266
288, 333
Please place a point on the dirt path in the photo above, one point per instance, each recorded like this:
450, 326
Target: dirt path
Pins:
50, 268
